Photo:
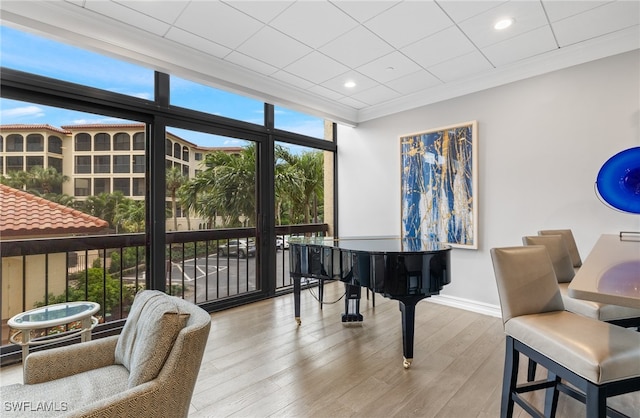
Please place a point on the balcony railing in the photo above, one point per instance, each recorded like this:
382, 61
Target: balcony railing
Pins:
212, 268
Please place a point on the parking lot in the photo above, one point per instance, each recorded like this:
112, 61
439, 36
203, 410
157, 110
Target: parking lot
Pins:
216, 276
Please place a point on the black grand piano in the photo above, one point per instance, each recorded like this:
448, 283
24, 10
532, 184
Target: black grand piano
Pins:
405, 269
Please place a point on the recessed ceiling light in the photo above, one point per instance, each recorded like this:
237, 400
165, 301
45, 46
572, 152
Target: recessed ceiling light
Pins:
504, 23
350, 84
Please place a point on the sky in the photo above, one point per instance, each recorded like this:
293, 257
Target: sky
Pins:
34, 54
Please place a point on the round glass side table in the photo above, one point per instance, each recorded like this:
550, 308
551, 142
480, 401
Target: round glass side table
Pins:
52, 316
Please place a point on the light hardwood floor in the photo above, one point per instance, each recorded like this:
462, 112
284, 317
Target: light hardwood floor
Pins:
259, 363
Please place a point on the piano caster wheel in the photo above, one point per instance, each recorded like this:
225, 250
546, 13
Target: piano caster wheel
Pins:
406, 362
298, 320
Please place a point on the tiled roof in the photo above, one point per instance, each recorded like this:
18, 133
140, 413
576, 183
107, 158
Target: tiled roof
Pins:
105, 126
23, 214
32, 127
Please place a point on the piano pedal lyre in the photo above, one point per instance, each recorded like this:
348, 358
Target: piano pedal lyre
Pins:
352, 304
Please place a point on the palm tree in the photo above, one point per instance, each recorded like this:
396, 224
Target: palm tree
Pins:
287, 183
306, 193
104, 206
45, 180
16, 179
62, 199
130, 214
174, 179
188, 198
229, 182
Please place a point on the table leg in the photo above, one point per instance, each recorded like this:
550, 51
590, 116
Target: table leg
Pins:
26, 338
86, 329
296, 298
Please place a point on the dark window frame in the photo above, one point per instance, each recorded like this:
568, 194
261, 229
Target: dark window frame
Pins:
119, 165
54, 144
102, 142
122, 184
15, 143
157, 115
12, 161
35, 142
82, 141
102, 164
138, 141
82, 164
79, 191
121, 141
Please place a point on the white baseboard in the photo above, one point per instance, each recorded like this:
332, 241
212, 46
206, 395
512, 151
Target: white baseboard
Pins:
467, 304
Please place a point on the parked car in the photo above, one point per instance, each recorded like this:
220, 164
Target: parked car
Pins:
282, 242
240, 247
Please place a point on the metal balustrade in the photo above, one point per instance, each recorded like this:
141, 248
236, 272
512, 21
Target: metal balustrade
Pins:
206, 267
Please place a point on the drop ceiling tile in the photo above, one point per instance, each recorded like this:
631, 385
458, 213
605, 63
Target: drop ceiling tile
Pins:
273, 47
528, 15
558, 10
128, 16
414, 82
520, 47
166, 11
597, 28
325, 92
197, 42
599, 21
316, 67
442, 46
362, 83
356, 47
250, 63
294, 80
262, 10
313, 23
218, 22
462, 10
389, 67
351, 102
457, 68
364, 10
376, 95
409, 22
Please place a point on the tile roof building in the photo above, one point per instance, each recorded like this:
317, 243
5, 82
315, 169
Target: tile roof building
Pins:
26, 215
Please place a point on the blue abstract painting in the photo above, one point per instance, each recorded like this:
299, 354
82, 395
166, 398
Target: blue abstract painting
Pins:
439, 185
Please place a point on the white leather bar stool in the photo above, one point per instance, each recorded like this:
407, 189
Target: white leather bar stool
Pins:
563, 267
599, 360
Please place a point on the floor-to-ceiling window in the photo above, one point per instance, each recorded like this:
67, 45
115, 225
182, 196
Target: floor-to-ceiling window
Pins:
197, 176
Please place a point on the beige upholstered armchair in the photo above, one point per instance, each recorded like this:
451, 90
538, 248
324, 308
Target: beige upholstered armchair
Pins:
150, 369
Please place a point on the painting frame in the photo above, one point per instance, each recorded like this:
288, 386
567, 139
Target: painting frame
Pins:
439, 185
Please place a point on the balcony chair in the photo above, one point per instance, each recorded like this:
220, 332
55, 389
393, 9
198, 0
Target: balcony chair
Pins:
598, 359
150, 369
563, 266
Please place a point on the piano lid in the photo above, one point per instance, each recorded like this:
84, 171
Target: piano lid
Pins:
374, 245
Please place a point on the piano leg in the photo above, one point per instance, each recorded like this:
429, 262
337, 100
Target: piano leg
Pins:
296, 298
408, 310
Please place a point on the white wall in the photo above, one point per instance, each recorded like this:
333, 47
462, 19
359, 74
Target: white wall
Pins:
541, 144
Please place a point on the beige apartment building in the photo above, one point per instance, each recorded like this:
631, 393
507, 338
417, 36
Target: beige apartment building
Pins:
97, 158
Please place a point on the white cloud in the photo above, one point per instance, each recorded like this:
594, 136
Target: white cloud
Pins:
8, 116
97, 121
146, 96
